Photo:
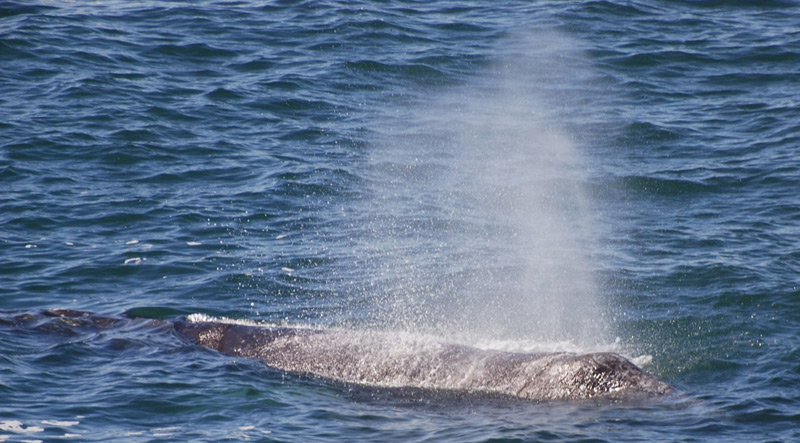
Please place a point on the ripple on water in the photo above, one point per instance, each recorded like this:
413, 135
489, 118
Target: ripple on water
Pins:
285, 162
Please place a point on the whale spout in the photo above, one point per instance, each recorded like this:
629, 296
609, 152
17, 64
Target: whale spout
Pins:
384, 359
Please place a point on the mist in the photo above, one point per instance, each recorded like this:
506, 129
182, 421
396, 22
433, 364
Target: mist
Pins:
478, 225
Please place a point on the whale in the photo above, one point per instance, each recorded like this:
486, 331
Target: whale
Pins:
395, 360
384, 359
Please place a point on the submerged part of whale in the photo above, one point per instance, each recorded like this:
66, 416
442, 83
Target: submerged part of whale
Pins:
396, 360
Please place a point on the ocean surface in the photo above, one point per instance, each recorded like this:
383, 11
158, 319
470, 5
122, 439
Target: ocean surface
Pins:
527, 176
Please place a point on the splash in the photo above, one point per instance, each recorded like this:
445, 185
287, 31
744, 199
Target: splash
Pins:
479, 224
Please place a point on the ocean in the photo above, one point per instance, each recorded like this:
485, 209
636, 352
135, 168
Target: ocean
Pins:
524, 176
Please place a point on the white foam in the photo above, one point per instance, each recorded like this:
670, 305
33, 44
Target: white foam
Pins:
18, 427
64, 424
204, 318
166, 429
642, 360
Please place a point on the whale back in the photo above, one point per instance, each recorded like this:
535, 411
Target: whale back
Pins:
398, 360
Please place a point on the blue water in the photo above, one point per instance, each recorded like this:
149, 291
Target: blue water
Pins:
519, 175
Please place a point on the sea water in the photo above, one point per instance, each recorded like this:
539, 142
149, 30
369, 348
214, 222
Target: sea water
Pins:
525, 176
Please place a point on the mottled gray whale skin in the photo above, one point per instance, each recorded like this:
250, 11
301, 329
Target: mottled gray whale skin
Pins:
397, 360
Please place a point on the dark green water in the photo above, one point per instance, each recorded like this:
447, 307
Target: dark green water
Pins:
518, 175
